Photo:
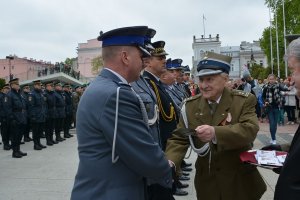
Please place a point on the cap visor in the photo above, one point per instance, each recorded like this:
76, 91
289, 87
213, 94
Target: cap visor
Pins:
208, 72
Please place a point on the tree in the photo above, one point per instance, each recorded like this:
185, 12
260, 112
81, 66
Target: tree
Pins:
97, 65
292, 24
69, 61
257, 71
2, 82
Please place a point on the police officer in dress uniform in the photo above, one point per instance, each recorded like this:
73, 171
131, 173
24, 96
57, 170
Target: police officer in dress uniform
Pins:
68, 109
16, 115
219, 124
51, 113
186, 79
143, 89
60, 111
37, 113
116, 150
25, 95
4, 118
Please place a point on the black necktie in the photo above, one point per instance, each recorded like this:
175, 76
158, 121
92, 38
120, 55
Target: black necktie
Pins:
213, 107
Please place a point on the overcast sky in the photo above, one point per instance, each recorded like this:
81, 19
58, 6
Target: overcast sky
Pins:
51, 29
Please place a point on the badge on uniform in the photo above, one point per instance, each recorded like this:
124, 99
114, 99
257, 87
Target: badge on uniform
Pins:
5, 99
30, 98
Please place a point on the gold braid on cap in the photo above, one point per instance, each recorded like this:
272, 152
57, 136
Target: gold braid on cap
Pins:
166, 118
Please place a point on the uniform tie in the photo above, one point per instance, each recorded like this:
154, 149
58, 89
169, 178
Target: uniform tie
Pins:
213, 107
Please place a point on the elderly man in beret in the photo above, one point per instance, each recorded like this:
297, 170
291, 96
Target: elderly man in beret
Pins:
219, 124
117, 153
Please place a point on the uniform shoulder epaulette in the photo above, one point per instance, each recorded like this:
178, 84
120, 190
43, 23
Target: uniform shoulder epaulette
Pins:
240, 93
193, 98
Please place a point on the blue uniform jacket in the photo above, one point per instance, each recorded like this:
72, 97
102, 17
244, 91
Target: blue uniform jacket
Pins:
60, 104
15, 107
139, 155
69, 103
51, 104
37, 106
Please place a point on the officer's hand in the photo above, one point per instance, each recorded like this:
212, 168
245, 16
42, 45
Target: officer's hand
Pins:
205, 133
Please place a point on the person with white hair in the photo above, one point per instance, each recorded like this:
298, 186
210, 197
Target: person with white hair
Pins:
288, 184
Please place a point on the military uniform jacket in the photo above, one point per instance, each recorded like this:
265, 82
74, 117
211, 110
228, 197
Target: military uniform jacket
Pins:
37, 106
51, 104
166, 125
2, 110
60, 104
225, 176
69, 103
288, 184
142, 88
15, 107
75, 100
139, 155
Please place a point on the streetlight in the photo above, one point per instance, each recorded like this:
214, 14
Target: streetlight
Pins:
284, 38
9, 63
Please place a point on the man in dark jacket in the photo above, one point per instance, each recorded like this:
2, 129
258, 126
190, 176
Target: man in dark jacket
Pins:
37, 114
25, 95
4, 120
60, 111
16, 114
51, 113
69, 110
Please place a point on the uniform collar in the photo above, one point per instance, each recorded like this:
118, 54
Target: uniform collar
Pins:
118, 75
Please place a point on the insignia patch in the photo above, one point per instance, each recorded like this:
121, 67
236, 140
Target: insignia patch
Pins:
30, 98
5, 99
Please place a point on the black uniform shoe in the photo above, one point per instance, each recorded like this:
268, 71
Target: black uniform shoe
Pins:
180, 192
22, 153
182, 185
49, 143
27, 139
185, 174
22, 142
7, 147
183, 178
16, 154
54, 142
43, 146
186, 169
59, 139
70, 135
37, 147
66, 136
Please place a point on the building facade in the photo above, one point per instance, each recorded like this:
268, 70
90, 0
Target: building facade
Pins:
23, 68
86, 53
243, 56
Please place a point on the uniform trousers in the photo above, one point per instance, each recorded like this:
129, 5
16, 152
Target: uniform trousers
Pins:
16, 131
5, 132
67, 124
49, 128
37, 131
58, 126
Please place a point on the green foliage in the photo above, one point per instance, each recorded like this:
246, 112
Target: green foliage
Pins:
2, 82
69, 61
97, 64
292, 24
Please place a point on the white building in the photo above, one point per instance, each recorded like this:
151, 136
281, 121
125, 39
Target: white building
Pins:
241, 55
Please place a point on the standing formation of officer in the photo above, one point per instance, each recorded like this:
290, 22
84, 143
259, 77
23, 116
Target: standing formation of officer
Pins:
38, 110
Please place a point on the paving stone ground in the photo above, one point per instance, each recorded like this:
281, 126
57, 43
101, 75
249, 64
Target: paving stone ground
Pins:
49, 174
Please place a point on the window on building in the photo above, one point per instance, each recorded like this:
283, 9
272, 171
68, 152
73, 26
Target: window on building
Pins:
4, 67
212, 50
248, 64
261, 62
232, 68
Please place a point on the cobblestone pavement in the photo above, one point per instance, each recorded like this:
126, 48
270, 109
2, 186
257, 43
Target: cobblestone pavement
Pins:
49, 174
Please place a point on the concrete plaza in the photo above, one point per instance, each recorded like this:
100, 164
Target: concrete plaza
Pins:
49, 174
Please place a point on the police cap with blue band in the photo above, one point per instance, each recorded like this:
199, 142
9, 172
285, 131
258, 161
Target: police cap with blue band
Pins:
213, 63
176, 64
138, 36
186, 69
169, 64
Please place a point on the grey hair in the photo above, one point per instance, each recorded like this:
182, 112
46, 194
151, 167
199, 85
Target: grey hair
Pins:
294, 49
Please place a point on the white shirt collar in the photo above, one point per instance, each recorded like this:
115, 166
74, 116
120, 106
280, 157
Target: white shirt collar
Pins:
218, 100
153, 75
118, 75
